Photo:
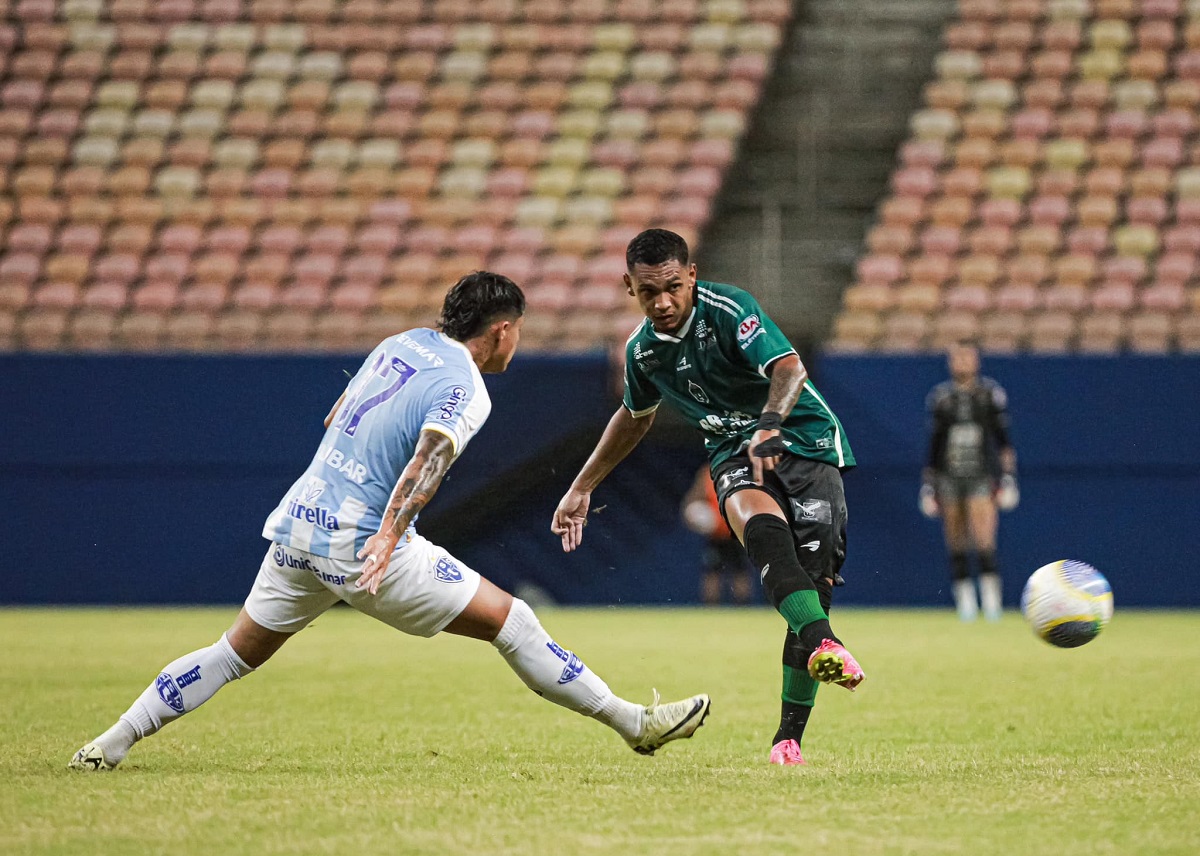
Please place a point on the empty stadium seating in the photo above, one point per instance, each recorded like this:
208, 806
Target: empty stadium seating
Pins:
253, 174
1048, 198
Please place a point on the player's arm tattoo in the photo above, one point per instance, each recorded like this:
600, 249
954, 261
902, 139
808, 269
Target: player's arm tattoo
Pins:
788, 377
419, 481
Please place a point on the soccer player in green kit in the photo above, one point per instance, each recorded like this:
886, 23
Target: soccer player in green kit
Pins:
776, 452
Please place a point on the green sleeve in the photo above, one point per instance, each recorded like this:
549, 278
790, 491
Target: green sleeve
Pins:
641, 396
757, 336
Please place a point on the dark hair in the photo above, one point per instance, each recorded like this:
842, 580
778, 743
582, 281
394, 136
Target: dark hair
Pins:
476, 300
655, 246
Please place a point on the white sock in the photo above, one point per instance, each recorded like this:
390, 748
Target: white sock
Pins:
964, 599
990, 595
559, 676
180, 688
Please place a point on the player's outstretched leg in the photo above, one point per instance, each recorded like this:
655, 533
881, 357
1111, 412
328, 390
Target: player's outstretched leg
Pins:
560, 676
180, 688
788, 586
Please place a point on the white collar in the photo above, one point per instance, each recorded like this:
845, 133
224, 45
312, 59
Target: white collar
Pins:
683, 331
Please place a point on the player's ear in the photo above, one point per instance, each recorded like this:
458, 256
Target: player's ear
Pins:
692, 272
628, 284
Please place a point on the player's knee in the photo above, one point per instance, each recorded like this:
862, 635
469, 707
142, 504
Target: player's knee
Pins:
520, 625
771, 547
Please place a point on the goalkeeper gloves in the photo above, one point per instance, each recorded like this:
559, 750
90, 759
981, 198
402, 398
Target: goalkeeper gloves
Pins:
927, 500
1008, 495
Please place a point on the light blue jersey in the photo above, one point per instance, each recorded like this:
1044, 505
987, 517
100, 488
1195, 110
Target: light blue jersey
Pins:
415, 381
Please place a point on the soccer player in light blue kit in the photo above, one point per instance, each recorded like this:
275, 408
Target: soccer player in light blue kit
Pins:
344, 532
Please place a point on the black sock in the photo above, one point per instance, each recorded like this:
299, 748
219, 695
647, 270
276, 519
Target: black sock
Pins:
792, 720
789, 588
987, 562
959, 569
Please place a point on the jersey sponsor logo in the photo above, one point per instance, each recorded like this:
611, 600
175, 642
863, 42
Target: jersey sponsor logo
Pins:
682, 364
447, 571
697, 392
169, 692
704, 334
320, 517
421, 350
345, 466
447, 410
824, 443
644, 357
574, 667
813, 510
749, 330
811, 546
730, 423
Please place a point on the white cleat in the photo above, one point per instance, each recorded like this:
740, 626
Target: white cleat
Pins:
677, 720
91, 759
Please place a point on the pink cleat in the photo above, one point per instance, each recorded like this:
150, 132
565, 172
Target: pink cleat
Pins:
786, 753
833, 664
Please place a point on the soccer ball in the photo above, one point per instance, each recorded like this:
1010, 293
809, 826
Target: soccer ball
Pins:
1067, 603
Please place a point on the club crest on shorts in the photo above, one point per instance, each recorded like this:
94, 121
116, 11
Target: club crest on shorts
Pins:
446, 571
812, 510
169, 693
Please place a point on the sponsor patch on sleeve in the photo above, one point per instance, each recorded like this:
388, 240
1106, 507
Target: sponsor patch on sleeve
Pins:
749, 330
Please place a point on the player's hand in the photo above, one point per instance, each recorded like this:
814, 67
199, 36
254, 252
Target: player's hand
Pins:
570, 517
764, 451
376, 554
1008, 495
927, 501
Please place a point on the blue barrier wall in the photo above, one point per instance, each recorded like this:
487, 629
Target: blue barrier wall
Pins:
146, 479
1109, 455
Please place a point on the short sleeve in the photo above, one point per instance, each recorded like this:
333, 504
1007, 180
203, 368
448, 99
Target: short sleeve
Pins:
641, 396
757, 336
457, 408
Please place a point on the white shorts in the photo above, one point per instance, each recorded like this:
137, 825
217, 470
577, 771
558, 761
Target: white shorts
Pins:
424, 589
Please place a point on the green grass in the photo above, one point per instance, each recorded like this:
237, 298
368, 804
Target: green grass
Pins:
358, 740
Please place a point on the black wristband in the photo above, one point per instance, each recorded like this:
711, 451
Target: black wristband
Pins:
770, 421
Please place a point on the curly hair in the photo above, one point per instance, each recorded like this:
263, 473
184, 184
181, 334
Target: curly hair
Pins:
655, 246
476, 300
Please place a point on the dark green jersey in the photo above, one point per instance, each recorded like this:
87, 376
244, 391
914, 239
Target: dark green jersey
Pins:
714, 372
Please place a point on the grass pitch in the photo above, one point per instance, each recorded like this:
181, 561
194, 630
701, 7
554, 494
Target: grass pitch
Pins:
355, 739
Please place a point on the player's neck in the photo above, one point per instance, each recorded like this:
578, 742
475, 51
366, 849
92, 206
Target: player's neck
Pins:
481, 350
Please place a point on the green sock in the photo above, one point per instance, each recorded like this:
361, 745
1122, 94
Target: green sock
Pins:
806, 618
799, 687
799, 694
802, 608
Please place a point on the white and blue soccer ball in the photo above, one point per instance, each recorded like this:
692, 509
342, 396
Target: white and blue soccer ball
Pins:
1067, 603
